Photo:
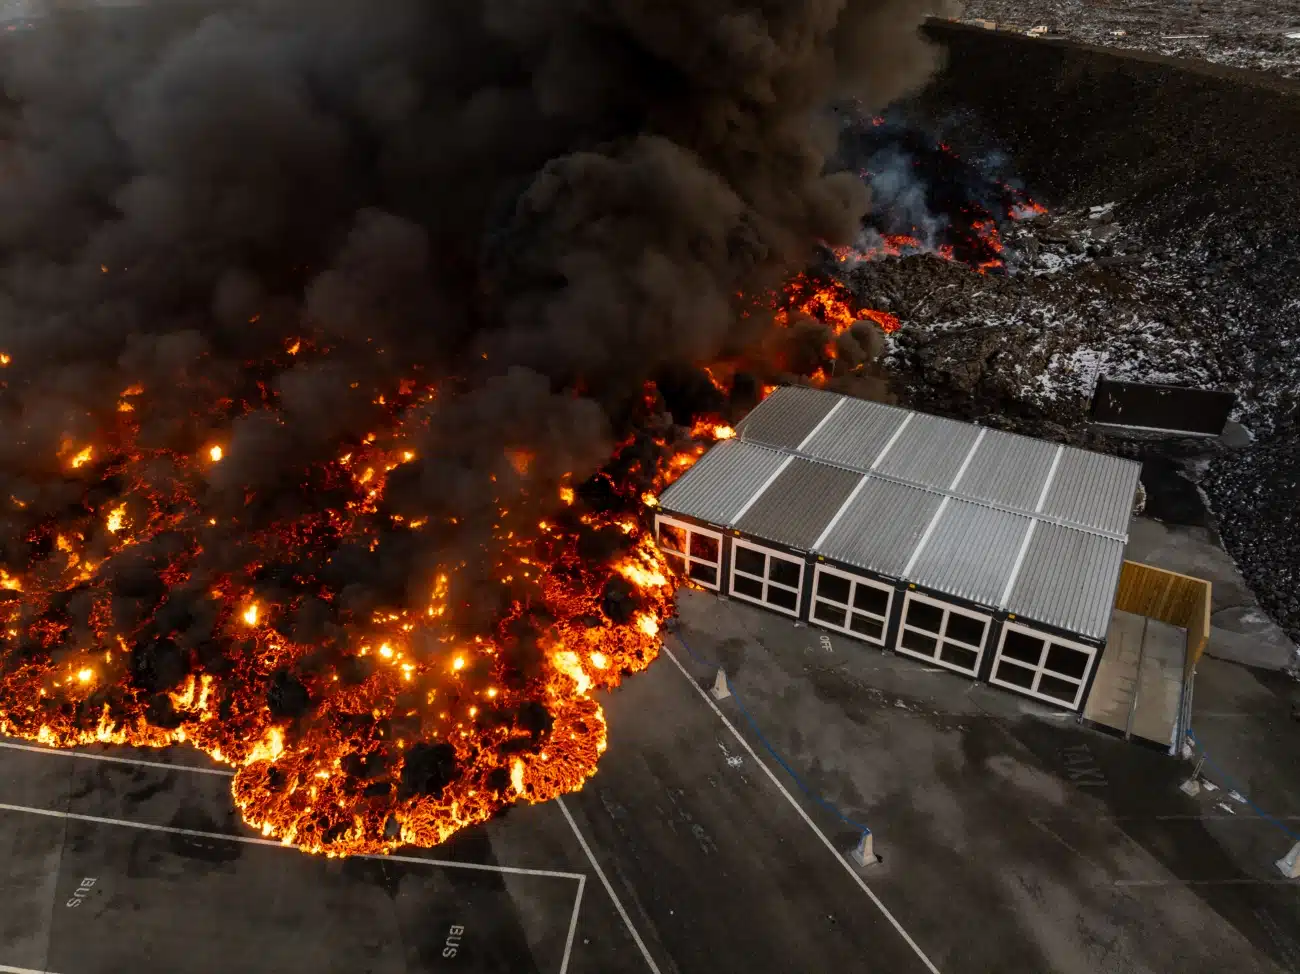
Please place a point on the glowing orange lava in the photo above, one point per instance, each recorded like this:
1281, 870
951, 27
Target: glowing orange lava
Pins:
410, 727
831, 303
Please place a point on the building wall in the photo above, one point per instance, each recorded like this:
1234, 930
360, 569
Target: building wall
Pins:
1056, 644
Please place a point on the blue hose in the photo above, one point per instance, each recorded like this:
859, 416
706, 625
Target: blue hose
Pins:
1232, 786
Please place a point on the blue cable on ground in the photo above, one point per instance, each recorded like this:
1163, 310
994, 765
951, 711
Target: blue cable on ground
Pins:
770, 749
1232, 786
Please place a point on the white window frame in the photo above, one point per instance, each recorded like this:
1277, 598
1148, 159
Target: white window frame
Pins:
767, 553
942, 636
854, 581
1041, 669
687, 558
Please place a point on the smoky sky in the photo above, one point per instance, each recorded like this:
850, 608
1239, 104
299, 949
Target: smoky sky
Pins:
537, 203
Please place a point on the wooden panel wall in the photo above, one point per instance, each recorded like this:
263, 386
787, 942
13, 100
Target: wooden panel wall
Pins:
1179, 600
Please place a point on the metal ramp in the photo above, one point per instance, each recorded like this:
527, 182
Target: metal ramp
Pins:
1143, 684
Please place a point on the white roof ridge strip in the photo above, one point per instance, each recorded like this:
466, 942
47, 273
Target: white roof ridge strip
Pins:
892, 440
822, 422
1051, 476
759, 493
1020, 560
925, 538
970, 455
929, 528
840, 513
1033, 523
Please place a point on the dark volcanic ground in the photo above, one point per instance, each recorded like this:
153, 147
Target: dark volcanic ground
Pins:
1170, 253
1259, 34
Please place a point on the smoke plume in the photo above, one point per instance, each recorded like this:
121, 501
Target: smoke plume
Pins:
565, 197
272, 225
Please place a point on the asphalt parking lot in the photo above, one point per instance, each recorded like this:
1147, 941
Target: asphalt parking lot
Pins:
1012, 840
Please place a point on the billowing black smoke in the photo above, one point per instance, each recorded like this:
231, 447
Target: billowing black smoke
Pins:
276, 225
549, 201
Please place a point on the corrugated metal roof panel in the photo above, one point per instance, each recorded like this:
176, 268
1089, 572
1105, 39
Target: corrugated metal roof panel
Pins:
787, 416
971, 552
799, 504
722, 481
1068, 580
930, 451
882, 527
1008, 470
1068, 576
1093, 490
856, 434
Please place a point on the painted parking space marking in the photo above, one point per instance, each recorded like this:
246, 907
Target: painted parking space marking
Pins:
579, 878
799, 809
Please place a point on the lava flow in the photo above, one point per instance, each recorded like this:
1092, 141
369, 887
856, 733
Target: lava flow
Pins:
831, 303
140, 615
929, 198
404, 725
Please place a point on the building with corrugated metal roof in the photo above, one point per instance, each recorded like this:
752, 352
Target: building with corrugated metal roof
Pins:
994, 555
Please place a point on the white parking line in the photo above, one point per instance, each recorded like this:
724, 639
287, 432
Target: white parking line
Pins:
618, 904
573, 925
112, 759
253, 840
802, 814
250, 840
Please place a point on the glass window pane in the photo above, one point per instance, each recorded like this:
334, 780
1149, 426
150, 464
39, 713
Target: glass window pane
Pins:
676, 563
922, 615
966, 629
782, 597
918, 643
833, 587
747, 586
867, 626
1067, 661
702, 546
748, 561
1021, 646
957, 656
671, 537
708, 574
1017, 675
829, 614
784, 571
870, 599
1063, 690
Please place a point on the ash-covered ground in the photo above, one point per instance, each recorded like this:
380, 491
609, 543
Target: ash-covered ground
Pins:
1169, 252
1259, 34
1084, 295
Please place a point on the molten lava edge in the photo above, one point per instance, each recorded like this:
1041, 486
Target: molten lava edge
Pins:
414, 725
412, 730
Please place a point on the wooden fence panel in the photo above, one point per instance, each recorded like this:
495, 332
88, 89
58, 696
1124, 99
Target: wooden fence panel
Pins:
1179, 600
